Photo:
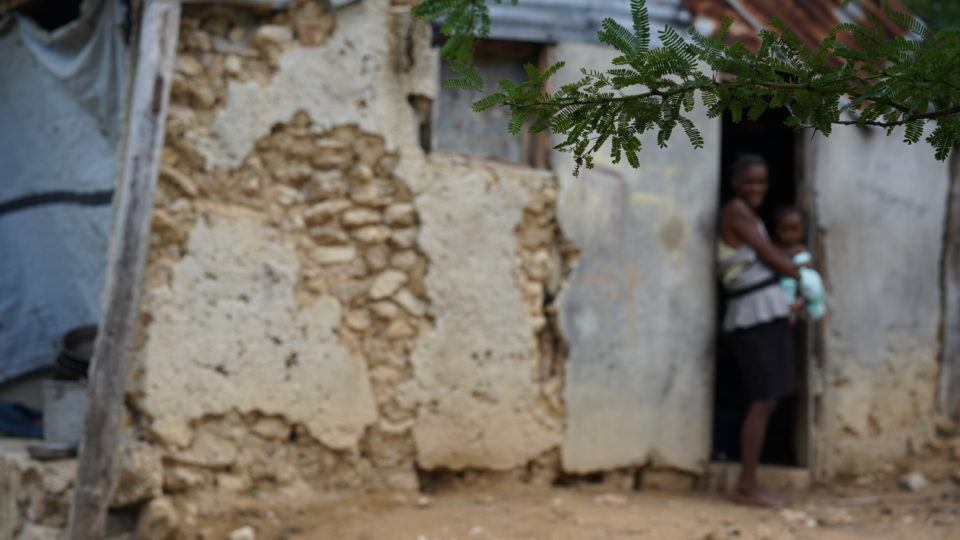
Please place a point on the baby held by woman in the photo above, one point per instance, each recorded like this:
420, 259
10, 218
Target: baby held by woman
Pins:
789, 227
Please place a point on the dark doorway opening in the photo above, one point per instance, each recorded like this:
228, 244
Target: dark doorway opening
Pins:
786, 434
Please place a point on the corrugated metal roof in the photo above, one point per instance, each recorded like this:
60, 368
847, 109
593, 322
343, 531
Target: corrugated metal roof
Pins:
810, 19
553, 21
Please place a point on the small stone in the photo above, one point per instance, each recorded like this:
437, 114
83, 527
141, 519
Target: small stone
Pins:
477, 530
324, 185
189, 66
203, 95
611, 499
328, 161
914, 481
158, 520
945, 426
243, 533
385, 309
287, 196
323, 212
410, 303
423, 501
180, 180
372, 234
360, 217
400, 214
273, 34
362, 172
399, 328
908, 519
335, 255
404, 238
312, 25
233, 64
326, 235
386, 284
295, 173
370, 195
272, 428
376, 258
358, 320
832, 517
404, 260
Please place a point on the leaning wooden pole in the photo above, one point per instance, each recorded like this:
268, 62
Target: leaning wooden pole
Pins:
129, 243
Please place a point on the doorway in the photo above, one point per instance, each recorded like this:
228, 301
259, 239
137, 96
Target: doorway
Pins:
787, 440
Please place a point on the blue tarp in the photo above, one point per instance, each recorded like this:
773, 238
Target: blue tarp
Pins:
60, 103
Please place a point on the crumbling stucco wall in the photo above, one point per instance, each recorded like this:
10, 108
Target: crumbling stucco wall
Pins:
638, 313
881, 207
326, 308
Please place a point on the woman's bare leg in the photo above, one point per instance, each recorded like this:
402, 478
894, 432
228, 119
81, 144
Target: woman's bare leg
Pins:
752, 437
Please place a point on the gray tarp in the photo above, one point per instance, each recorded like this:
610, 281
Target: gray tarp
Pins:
60, 102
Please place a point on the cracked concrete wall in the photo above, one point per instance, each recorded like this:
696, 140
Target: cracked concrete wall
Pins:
327, 308
638, 313
880, 205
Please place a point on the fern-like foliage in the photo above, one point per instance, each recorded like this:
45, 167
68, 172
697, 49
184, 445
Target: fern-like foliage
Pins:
856, 75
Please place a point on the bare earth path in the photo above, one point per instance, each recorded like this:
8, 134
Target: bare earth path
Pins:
877, 508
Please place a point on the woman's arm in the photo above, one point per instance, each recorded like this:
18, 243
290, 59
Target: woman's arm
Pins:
741, 221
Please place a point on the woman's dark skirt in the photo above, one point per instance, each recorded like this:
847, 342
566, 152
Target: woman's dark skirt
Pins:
764, 356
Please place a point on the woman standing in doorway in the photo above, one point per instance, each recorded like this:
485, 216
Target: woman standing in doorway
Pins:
756, 321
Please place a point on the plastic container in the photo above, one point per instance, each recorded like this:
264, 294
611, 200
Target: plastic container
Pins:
64, 411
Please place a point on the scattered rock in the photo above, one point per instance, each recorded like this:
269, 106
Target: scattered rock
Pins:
914, 481
323, 212
335, 255
386, 284
372, 234
611, 499
243, 533
423, 501
832, 517
273, 34
798, 517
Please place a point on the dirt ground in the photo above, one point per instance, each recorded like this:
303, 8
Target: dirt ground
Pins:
874, 506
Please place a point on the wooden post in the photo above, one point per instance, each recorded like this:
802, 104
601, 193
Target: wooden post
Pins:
138, 160
950, 342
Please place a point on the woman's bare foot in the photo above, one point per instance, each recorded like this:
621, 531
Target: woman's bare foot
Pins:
757, 497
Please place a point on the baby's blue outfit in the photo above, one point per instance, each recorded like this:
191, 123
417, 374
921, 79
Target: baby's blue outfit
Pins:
811, 287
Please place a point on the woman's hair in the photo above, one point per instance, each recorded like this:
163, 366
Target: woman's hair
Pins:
744, 162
